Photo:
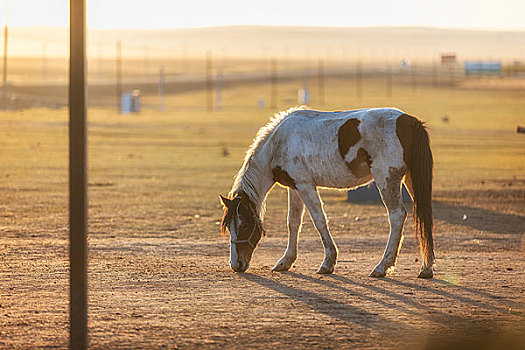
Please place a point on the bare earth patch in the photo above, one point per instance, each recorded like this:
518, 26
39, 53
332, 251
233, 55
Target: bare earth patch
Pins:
169, 291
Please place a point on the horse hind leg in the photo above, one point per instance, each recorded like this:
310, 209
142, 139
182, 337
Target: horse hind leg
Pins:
295, 221
390, 189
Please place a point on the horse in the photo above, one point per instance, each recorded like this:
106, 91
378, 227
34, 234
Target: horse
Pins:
304, 150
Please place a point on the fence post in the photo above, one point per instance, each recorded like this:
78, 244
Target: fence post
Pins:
44, 61
413, 75
162, 88
78, 203
358, 81
224, 60
118, 72
99, 60
450, 74
273, 78
184, 60
434, 74
389, 80
145, 62
320, 81
4, 70
218, 90
209, 82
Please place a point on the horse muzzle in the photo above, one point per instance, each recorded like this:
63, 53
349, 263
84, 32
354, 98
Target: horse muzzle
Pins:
239, 266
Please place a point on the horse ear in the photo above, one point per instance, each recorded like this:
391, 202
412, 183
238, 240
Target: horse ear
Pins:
225, 201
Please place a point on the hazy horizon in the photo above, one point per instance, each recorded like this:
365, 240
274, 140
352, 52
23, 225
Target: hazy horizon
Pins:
290, 26
161, 14
386, 26
331, 43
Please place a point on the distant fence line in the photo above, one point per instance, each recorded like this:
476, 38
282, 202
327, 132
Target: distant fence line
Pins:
212, 76
41, 81
144, 59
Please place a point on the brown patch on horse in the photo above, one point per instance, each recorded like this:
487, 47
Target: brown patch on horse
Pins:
405, 125
228, 206
239, 205
282, 177
348, 135
360, 165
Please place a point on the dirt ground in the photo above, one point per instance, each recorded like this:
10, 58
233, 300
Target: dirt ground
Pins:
165, 290
158, 267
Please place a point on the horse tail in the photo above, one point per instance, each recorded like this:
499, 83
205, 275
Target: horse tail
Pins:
418, 158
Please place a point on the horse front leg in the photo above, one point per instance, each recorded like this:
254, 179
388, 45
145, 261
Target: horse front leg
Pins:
311, 199
295, 221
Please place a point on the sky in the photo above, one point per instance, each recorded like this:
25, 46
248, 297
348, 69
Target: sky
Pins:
154, 14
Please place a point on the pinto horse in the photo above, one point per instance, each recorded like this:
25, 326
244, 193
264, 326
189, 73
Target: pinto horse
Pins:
305, 149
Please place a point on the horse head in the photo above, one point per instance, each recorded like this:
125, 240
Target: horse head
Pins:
245, 228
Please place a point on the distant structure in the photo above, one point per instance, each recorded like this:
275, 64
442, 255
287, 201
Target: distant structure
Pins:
516, 67
130, 102
482, 67
303, 96
448, 58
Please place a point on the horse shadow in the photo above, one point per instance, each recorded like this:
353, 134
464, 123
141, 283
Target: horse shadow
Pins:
479, 219
333, 308
505, 304
384, 296
416, 308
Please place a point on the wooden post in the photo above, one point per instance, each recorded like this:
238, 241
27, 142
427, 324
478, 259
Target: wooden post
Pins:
118, 71
99, 60
359, 81
305, 79
320, 81
145, 61
78, 203
184, 60
218, 90
44, 61
414, 77
434, 74
224, 60
209, 82
273, 78
451, 74
389, 80
162, 88
4, 70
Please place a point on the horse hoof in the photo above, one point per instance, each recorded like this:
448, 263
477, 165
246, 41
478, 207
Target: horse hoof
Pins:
377, 273
284, 264
280, 268
428, 273
325, 271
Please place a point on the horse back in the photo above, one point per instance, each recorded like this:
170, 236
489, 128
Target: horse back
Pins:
335, 149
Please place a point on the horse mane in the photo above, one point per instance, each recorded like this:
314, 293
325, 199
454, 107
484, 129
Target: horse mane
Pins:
250, 172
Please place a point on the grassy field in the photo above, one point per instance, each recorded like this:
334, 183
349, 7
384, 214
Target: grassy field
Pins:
154, 180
